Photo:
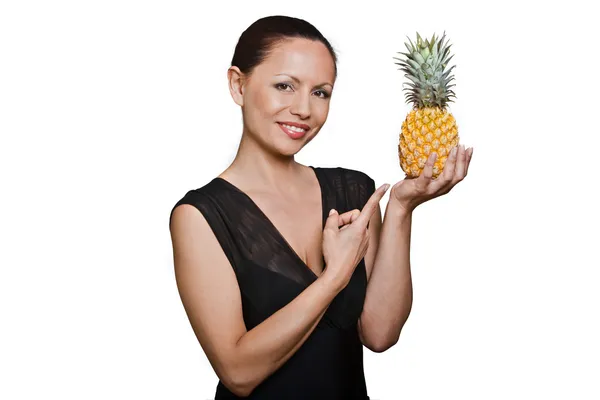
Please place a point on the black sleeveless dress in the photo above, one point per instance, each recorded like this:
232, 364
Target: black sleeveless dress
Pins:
270, 274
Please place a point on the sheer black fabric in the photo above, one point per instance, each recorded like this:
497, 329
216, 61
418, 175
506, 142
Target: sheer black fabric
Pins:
270, 274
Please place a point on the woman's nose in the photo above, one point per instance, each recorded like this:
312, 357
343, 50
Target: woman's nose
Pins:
301, 105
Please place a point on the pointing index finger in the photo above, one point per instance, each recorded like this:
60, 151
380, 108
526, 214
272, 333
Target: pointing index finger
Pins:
371, 205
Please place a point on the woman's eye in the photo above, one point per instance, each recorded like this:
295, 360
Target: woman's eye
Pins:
283, 86
279, 85
325, 94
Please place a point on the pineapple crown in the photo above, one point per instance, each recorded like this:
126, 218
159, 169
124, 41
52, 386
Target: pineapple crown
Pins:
424, 66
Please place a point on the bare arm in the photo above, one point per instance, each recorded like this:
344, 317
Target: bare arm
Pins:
211, 297
389, 296
262, 350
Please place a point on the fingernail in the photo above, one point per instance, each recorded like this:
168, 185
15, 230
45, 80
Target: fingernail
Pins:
386, 187
331, 211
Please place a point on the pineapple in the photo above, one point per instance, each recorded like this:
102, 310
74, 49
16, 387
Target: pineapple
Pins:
429, 127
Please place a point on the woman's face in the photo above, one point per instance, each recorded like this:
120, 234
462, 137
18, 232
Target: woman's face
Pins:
293, 85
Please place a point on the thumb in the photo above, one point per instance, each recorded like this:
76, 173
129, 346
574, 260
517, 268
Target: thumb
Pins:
332, 220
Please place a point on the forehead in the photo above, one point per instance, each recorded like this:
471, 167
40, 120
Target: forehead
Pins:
306, 59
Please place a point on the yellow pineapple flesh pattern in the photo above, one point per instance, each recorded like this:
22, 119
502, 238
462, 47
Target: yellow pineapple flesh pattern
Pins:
426, 130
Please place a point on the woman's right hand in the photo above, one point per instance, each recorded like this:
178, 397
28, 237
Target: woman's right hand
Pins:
344, 247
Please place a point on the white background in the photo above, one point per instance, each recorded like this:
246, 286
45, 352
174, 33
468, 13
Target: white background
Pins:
111, 110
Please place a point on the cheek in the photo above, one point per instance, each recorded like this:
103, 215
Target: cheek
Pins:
321, 110
267, 102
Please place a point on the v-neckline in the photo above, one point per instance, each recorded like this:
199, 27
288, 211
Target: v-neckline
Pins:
272, 225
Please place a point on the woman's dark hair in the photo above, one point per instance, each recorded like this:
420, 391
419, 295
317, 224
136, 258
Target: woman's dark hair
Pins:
263, 35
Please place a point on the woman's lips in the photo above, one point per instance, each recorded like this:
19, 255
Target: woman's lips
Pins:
292, 133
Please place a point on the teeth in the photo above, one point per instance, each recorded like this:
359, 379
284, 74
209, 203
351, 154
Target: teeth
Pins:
294, 128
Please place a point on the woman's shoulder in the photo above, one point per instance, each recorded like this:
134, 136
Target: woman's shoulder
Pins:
201, 197
195, 193
352, 175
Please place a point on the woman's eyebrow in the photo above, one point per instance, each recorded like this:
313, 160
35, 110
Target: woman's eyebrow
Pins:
298, 80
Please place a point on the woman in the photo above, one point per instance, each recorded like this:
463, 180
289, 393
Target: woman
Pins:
281, 293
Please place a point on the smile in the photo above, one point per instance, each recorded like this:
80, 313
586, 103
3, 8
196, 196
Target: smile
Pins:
292, 131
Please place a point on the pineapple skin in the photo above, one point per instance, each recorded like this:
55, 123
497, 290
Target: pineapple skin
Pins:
426, 130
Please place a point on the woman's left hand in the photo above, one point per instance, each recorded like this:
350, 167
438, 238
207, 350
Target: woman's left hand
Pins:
409, 193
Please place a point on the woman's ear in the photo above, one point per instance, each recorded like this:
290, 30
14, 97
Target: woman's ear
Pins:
236, 85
